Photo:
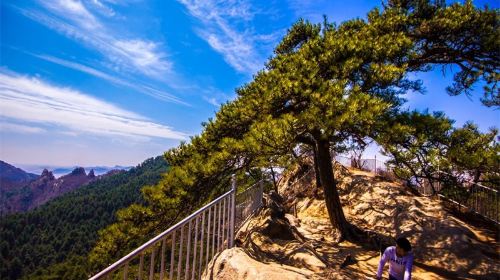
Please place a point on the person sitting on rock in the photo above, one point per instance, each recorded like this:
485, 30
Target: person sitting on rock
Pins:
400, 259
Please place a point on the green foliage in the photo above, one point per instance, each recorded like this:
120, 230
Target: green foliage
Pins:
475, 154
468, 35
420, 144
74, 267
47, 238
298, 34
325, 86
416, 143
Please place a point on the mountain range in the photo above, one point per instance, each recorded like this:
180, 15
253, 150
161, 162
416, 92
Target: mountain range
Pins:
21, 191
52, 240
59, 171
13, 177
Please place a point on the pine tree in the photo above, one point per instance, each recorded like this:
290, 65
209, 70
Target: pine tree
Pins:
326, 85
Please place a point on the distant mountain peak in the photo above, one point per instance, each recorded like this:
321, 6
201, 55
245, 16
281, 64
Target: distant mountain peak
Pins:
47, 174
79, 171
26, 191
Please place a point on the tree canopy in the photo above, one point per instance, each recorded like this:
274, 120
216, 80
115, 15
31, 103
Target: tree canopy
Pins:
325, 85
421, 144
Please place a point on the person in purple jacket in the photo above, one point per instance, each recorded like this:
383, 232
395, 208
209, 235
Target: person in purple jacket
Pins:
400, 259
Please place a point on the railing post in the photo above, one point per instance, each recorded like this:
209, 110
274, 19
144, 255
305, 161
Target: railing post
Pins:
162, 264
233, 210
141, 264
152, 264
172, 257
208, 235
202, 244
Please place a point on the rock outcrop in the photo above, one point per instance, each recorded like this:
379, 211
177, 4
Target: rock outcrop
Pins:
271, 246
47, 176
235, 263
45, 188
292, 233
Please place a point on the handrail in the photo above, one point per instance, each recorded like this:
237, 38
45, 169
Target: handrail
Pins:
245, 209
220, 224
472, 182
481, 199
249, 188
151, 242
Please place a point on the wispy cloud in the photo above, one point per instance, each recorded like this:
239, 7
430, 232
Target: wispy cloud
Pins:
102, 8
19, 128
74, 11
159, 94
72, 19
226, 29
211, 100
143, 54
32, 100
214, 96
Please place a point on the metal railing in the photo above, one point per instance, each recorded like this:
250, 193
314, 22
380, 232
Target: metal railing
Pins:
368, 164
426, 187
477, 198
306, 179
184, 250
247, 203
465, 193
345, 161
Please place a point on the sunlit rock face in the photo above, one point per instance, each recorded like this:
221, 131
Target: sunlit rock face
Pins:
292, 237
236, 264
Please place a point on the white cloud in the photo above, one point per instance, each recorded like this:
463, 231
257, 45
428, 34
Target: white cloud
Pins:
75, 11
161, 95
144, 55
212, 101
102, 8
131, 54
18, 128
32, 100
214, 96
220, 21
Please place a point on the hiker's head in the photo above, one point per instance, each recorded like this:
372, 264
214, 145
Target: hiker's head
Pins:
403, 246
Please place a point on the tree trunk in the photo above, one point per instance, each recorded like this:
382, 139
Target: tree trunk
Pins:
477, 176
274, 180
332, 199
316, 170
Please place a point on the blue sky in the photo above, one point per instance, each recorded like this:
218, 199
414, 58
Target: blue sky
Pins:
105, 82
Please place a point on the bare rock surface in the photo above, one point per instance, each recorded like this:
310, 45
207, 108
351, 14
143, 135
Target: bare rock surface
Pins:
236, 264
292, 238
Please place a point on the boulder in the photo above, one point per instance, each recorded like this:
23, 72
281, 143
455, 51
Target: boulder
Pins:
236, 264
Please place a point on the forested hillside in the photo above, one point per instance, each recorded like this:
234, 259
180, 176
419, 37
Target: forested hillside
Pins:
56, 237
